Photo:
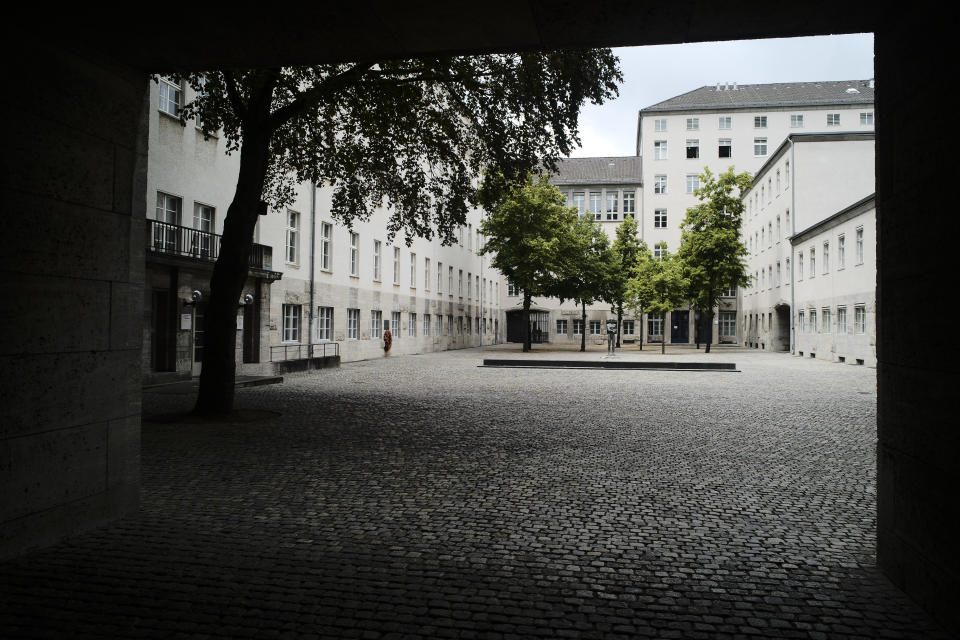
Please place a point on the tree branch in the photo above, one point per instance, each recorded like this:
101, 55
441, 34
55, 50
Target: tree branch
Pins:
313, 96
233, 93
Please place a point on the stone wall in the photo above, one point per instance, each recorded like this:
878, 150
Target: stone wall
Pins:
71, 279
918, 453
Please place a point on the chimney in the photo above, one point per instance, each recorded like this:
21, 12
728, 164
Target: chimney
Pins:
718, 86
734, 86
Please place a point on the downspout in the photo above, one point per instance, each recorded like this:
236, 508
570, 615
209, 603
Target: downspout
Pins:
313, 257
793, 261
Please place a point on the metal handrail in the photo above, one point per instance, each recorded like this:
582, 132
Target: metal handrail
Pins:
177, 240
302, 351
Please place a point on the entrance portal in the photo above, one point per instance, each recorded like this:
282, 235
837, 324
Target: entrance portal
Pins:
680, 326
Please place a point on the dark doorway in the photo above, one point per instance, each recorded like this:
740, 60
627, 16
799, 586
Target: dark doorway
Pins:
781, 328
251, 334
538, 326
680, 326
161, 334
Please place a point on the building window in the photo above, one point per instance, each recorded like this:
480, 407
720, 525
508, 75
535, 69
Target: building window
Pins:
579, 202
826, 320
450, 281
595, 204
658, 250
353, 323
660, 219
326, 238
660, 184
293, 237
291, 323
376, 260
778, 181
800, 266
841, 251
660, 150
426, 274
778, 229
395, 323
728, 323
578, 327
859, 245
778, 274
561, 327
426, 325
412, 326
324, 324
629, 204
693, 149
813, 262
594, 327
171, 95
801, 322
655, 325
413, 270
660, 124
467, 324
759, 146
841, 319
512, 289
469, 285
203, 221
725, 122
476, 281
612, 205
459, 282
449, 324
396, 265
627, 327
760, 122
439, 325
725, 148
354, 253
813, 320
796, 121
376, 324
693, 124
730, 292
833, 119
769, 234
826, 257
693, 182
439, 278
866, 119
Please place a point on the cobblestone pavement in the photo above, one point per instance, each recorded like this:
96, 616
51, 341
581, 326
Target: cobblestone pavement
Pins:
424, 497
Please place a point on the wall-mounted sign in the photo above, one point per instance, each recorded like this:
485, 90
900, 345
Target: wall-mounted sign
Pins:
186, 321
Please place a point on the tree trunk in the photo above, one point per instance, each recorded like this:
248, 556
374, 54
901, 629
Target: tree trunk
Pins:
583, 326
526, 321
709, 329
640, 336
218, 373
619, 322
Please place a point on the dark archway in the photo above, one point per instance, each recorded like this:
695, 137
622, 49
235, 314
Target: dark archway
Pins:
74, 179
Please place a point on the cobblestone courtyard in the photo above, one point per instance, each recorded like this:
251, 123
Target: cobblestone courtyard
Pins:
424, 497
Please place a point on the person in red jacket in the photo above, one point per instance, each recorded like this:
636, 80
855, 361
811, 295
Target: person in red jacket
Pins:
387, 341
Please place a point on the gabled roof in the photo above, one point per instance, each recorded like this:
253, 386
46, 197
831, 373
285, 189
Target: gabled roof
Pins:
605, 170
780, 94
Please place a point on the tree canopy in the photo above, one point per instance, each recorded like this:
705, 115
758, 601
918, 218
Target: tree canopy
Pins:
659, 285
409, 135
628, 250
530, 234
711, 248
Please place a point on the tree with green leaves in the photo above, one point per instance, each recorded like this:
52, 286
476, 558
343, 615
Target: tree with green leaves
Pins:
586, 262
659, 286
628, 250
711, 247
530, 233
408, 135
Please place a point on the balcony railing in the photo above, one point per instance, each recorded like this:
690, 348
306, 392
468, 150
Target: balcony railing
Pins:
175, 240
280, 352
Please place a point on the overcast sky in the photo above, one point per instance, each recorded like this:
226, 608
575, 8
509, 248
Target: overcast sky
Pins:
653, 74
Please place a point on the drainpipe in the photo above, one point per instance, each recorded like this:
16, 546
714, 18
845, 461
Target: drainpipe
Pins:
313, 255
793, 261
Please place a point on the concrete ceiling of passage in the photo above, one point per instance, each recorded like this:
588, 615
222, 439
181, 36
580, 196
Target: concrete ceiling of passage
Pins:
262, 34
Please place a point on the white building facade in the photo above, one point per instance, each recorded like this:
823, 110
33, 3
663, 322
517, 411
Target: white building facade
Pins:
723, 126
807, 180
316, 287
